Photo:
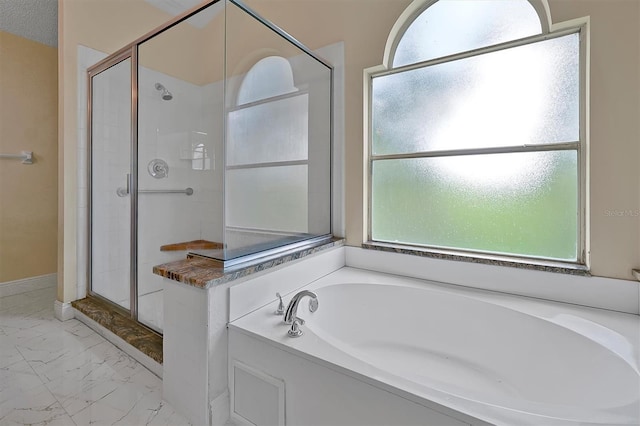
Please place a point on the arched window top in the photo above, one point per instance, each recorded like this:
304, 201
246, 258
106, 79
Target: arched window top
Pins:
271, 76
453, 26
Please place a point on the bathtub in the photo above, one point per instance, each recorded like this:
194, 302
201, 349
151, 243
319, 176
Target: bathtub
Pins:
473, 356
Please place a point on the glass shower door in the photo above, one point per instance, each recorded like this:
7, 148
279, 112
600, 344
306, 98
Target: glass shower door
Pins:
110, 179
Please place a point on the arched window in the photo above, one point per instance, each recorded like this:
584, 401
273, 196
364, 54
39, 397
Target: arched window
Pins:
269, 77
267, 151
270, 121
448, 27
476, 138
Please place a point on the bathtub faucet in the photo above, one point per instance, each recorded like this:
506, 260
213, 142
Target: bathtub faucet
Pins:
291, 314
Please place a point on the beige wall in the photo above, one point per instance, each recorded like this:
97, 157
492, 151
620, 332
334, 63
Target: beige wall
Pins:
28, 193
364, 25
166, 53
615, 130
615, 105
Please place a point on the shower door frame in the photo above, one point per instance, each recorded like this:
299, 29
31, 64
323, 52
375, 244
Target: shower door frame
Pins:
131, 53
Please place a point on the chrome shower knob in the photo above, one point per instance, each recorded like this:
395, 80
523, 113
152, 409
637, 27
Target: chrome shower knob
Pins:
158, 168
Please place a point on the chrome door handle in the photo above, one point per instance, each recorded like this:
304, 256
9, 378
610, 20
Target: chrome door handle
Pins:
123, 192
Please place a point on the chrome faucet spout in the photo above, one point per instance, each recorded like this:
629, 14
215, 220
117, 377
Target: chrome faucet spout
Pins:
291, 313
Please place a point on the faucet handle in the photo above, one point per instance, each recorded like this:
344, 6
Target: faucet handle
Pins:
295, 330
280, 310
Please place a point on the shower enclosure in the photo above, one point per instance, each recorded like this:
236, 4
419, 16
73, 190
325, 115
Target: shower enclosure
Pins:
210, 135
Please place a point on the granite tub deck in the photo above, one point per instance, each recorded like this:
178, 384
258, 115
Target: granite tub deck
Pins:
138, 336
203, 272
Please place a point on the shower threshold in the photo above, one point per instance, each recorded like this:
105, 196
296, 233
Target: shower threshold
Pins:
132, 332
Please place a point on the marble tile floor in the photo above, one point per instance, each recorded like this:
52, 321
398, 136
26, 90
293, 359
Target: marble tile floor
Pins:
63, 373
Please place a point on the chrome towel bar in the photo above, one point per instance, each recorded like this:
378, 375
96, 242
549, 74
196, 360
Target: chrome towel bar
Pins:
188, 191
25, 156
123, 192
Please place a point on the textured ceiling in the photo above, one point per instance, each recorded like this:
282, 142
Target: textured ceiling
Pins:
33, 19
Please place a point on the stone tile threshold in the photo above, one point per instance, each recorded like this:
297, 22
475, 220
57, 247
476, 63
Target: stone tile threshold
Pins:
135, 334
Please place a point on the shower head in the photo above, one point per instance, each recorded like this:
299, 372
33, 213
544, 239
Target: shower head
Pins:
166, 95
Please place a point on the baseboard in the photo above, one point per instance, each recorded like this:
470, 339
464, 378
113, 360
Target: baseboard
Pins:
24, 285
149, 363
220, 409
63, 310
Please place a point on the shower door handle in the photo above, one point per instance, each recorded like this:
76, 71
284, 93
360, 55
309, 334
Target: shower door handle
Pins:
123, 192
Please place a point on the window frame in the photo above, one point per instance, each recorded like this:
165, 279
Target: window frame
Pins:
549, 31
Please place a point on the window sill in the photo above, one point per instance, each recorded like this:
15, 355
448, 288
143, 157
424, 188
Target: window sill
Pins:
496, 260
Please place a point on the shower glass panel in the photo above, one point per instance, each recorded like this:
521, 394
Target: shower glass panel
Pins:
224, 153
180, 134
110, 166
278, 139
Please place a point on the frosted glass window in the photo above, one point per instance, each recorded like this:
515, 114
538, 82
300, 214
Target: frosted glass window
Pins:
454, 26
269, 132
516, 203
480, 152
269, 77
268, 198
520, 96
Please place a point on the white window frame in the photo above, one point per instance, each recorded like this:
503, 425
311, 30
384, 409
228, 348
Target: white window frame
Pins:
580, 26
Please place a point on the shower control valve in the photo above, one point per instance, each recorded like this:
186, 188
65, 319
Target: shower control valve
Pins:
158, 168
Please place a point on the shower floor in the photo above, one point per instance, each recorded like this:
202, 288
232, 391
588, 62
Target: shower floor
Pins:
150, 310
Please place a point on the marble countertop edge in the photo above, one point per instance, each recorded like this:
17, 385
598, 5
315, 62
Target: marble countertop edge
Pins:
204, 273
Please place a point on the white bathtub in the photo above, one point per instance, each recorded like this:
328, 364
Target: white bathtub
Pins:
496, 358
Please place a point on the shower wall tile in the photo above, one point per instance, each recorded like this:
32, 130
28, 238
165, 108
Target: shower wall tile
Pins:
166, 132
111, 148
82, 165
149, 282
150, 309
